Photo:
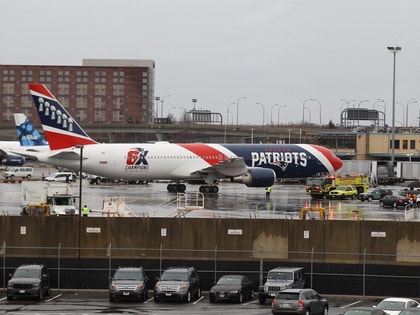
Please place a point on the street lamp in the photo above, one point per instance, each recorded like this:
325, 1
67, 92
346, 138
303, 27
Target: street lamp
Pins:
309, 111
303, 115
227, 114
80, 146
271, 122
384, 106
358, 111
278, 114
157, 98
393, 50
263, 111
347, 102
161, 105
410, 101
237, 109
312, 99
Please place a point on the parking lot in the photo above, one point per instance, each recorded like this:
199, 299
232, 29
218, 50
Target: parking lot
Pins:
97, 302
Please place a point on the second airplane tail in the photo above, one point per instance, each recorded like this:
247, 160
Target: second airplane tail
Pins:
27, 133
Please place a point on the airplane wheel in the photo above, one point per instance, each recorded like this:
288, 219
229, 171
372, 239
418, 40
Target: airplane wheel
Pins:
182, 188
207, 189
215, 189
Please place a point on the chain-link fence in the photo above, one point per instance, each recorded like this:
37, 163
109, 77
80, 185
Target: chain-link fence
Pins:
345, 273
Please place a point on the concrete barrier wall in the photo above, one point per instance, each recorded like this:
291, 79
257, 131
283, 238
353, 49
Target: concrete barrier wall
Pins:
385, 242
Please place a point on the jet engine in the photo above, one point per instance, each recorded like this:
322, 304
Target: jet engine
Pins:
256, 177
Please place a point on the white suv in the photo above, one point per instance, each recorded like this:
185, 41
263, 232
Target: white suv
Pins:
22, 172
64, 177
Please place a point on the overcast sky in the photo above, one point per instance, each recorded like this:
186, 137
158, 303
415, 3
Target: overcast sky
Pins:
272, 52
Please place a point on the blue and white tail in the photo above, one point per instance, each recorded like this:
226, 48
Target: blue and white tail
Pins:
61, 130
27, 133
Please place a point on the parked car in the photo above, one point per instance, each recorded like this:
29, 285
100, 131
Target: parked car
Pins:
394, 201
374, 194
344, 191
281, 278
29, 281
177, 283
128, 283
299, 301
19, 172
366, 310
410, 311
394, 305
232, 288
64, 177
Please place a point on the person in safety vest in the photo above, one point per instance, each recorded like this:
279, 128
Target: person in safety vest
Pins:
85, 211
267, 192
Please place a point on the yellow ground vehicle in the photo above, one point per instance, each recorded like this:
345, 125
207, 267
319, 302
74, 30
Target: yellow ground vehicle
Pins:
320, 187
343, 192
312, 213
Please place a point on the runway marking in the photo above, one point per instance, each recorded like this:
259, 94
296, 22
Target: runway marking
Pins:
351, 304
52, 299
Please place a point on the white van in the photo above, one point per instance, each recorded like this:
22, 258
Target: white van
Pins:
64, 177
16, 172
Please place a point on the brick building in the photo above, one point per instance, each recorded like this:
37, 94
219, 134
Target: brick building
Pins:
100, 91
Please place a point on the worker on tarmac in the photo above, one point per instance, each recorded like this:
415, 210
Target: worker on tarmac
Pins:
85, 211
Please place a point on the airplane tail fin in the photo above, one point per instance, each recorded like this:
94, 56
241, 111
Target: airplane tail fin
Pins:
60, 128
27, 133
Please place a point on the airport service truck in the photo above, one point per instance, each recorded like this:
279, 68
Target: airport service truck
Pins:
47, 198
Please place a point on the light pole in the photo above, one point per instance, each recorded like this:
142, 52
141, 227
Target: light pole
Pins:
161, 105
303, 115
278, 114
309, 111
347, 102
403, 110
80, 146
157, 98
237, 109
227, 114
271, 122
410, 101
358, 111
263, 112
394, 51
384, 105
312, 99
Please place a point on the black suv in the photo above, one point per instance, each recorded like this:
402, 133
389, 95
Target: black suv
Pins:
128, 283
374, 194
29, 281
177, 283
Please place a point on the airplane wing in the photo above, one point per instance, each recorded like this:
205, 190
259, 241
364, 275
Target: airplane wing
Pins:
228, 168
66, 155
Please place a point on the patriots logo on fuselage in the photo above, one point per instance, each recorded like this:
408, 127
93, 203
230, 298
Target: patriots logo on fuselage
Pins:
136, 159
280, 159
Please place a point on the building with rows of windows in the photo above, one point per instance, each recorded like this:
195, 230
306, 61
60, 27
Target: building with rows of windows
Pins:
99, 91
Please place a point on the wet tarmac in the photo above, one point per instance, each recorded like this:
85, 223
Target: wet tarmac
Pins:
233, 201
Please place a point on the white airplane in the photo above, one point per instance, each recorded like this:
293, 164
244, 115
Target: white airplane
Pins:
29, 140
256, 165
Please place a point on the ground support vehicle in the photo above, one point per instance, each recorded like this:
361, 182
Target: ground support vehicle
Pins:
320, 187
299, 301
128, 283
47, 198
177, 283
19, 172
29, 281
279, 279
343, 192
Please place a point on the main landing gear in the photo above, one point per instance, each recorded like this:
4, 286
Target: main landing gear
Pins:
209, 189
177, 188
180, 188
